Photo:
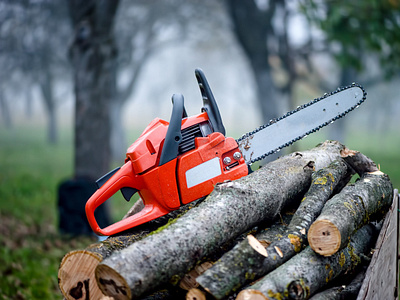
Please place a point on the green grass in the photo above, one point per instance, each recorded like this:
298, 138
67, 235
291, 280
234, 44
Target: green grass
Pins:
30, 171
30, 246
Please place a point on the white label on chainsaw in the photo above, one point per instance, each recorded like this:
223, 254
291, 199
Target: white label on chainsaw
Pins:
203, 172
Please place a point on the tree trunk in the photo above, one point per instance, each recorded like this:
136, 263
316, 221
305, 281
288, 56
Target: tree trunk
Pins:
46, 86
93, 56
76, 272
5, 111
231, 209
257, 257
307, 272
252, 28
118, 140
356, 205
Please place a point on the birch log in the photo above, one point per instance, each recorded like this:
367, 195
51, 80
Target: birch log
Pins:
307, 272
76, 278
356, 205
255, 257
232, 208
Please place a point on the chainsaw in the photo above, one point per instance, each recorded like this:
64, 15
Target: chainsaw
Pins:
174, 163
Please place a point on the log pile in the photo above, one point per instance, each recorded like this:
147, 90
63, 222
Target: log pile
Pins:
287, 231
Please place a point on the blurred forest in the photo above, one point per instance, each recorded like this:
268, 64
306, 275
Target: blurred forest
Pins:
80, 80
125, 59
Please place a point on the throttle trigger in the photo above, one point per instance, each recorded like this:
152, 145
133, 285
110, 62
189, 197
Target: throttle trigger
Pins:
128, 192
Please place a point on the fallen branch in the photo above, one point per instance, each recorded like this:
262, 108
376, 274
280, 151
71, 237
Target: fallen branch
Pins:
232, 208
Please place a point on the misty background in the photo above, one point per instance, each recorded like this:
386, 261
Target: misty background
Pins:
159, 44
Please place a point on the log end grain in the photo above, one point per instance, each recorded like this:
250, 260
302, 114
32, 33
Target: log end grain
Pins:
257, 245
189, 279
251, 295
112, 284
324, 237
195, 294
76, 275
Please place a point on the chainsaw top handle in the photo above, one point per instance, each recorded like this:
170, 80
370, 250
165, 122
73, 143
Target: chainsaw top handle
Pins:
174, 136
209, 103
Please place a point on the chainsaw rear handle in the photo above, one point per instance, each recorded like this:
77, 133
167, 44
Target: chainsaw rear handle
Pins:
117, 179
123, 178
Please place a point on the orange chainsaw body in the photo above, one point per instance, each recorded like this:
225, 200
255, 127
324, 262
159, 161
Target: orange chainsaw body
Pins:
196, 158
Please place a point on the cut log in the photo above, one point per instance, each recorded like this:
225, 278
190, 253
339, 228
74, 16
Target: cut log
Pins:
307, 272
258, 256
357, 204
349, 291
232, 208
359, 162
76, 277
189, 280
195, 294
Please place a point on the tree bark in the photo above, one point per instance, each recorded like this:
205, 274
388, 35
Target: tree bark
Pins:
76, 277
231, 209
93, 56
257, 257
356, 205
307, 272
343, 292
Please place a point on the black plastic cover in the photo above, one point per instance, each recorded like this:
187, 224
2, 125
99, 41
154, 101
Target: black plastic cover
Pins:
103, 179
209, 103
174, 135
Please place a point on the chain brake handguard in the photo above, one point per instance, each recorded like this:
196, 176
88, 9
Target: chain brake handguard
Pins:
172, 164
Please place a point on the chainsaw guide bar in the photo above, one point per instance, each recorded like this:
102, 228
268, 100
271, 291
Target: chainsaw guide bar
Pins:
297, 124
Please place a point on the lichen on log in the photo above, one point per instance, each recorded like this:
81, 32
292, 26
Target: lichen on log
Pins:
357, 204
307, 272
255, 257
232, 208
